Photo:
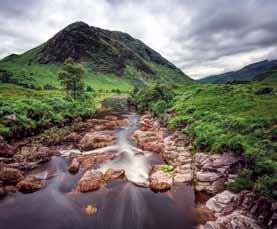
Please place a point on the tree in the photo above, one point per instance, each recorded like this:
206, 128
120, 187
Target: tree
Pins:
72, 78
89, 89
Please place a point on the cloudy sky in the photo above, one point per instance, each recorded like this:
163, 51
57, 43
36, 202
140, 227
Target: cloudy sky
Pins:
202, 37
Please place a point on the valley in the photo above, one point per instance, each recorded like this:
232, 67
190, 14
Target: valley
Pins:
98, 130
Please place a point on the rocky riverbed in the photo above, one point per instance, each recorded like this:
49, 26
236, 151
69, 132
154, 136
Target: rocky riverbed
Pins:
133, 165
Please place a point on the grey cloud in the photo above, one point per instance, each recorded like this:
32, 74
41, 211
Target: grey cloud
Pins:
216, 35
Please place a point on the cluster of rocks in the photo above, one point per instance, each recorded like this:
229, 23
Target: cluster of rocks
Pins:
13, 180
20, 156
93, 179
212, 172
243, 210
209, 174
15, 163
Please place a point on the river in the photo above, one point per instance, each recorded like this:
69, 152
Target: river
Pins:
120, 205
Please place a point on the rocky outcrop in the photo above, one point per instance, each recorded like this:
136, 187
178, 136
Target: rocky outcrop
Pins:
114, 174
94, 140
243, 210
212, 172
176, 154
29, 184
234, 220
90, 181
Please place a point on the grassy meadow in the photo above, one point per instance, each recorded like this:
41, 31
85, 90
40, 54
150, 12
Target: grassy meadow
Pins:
239, 118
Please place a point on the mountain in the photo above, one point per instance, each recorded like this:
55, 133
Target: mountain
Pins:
110, 59
247, 73
268, 76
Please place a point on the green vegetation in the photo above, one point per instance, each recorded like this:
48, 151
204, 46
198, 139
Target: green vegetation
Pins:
166, 168
240, 118
71, 77
22, 111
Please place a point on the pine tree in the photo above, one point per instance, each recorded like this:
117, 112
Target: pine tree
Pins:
72, 78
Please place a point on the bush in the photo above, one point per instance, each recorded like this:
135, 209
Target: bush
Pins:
243, 181
166, 168
38, 112
49, 87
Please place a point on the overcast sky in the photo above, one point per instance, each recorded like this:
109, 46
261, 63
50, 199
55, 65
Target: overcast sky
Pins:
202, 37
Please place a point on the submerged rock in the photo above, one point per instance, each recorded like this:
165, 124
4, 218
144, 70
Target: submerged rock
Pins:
29, 184
90, 181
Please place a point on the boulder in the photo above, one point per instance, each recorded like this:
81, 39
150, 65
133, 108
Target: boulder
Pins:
74, 166
236, 220
6, 150
10, 175
114, 174
160, 181
98, 139
29, 184
90, 181
90, 160
220, 201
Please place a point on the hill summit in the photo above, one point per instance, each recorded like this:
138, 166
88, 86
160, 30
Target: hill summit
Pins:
101, 52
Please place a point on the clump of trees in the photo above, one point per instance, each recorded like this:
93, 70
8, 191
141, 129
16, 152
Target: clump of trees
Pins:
72, 78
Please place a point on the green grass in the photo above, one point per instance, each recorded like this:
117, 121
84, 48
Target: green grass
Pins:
225, 118
35, 109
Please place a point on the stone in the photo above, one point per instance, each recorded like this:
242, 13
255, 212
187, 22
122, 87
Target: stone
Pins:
160, 181
98, 139
220, 201
114, 174
74, 166
6, 150
89, 160
10, 175
90, 181
29, 184
236, 220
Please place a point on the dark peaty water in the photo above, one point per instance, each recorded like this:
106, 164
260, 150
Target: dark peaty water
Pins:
120, 205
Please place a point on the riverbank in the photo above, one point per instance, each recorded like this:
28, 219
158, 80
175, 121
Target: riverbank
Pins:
210, 175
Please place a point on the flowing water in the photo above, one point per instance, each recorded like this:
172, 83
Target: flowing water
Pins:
120, 205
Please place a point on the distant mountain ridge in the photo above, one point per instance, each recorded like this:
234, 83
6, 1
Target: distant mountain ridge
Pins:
102, 52
247, 73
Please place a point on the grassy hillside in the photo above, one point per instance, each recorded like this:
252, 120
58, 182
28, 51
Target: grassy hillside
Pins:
239, 118
269, 76
112, 60
248, 73
25, 71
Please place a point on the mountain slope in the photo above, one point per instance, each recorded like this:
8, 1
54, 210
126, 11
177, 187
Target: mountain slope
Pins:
268, 76
247, 73
111, 59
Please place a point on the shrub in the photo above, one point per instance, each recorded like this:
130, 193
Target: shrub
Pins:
166, 168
